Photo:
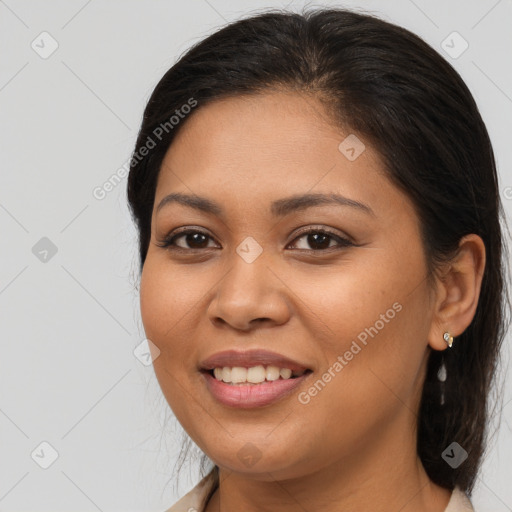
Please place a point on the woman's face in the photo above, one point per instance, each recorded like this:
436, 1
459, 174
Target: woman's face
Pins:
350, 306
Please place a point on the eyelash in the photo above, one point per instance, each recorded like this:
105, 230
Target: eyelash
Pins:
169, 241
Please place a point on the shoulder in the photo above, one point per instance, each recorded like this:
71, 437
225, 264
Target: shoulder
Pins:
193, 500
459, 502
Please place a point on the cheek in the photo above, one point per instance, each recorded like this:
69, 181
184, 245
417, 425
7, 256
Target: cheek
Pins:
167, 300
351, 300
372, 358
167, 297
373, 312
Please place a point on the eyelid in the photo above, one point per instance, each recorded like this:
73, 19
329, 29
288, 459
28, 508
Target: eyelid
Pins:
167, 242
343, 241
321, 229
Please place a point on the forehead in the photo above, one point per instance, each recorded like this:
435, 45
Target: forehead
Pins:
252, 148
258, 125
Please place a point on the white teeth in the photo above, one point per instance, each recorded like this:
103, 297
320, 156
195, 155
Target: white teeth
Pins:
285, 373
238, 374
272, 373
252, 375
256, 374
226, 374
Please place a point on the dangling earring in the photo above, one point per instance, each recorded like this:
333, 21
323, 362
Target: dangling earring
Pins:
441, 374
448, 338
441, 377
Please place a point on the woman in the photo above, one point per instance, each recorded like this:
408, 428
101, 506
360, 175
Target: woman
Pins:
321, 265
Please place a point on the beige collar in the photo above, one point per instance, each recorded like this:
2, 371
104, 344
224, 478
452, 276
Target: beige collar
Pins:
192, 501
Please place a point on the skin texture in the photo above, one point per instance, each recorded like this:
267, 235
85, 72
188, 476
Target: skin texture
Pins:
353, 446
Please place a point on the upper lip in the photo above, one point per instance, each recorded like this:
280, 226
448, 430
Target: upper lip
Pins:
249, 358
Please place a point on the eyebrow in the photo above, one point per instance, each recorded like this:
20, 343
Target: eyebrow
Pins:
278, 208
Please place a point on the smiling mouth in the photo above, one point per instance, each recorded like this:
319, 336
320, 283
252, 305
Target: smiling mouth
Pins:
245, 394
254, 375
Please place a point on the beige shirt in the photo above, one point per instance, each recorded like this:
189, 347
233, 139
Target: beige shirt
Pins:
191, 502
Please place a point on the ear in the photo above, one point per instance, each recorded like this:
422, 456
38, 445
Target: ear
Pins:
457, 291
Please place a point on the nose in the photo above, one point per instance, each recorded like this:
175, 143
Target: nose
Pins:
250, 295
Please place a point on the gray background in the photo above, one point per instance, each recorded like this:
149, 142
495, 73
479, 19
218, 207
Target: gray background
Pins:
70, 319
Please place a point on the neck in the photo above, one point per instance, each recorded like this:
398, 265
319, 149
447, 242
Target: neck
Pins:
386, 476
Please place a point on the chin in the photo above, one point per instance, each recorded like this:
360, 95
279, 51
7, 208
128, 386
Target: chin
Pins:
258, 463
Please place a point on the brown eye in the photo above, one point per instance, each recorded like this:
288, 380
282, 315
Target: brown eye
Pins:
316, 240
192, 238
319, 240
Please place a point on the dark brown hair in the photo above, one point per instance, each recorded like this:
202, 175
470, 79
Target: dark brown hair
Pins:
393, 90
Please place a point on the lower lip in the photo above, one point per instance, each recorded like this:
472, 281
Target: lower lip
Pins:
247, 396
